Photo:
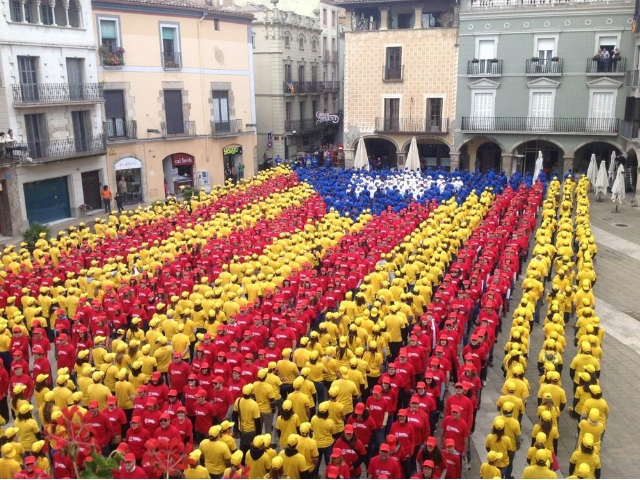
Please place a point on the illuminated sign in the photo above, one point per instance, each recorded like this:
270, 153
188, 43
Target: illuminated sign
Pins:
232, 150
324, 117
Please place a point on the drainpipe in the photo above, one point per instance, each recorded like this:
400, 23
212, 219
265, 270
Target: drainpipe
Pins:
202, 89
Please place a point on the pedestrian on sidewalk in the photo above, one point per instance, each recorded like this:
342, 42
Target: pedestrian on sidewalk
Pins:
106, 195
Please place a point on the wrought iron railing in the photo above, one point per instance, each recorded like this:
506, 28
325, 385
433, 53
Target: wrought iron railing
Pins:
498, 4
303, 125
543, 66
13, 152
293, 88
56, 93
541, 124
188, 129
40, 150
393, 73
120, 129
412, 125
332, 86
171, 60
231, 127
612, 66
484, 67
629, 129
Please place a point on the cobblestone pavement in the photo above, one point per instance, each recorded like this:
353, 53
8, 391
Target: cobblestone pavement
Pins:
618, 306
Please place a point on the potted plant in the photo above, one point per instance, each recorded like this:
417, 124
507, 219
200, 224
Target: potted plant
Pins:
112, 58
555, 59
34, 233
535, 59
493, 60
475, 60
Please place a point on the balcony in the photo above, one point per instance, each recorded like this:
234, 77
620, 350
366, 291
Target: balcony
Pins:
484, 68
295, 88
43, 94
544, 66
392, 74
45, 151
118, 129
592, 126
326, 56
112, 58
13, 152
171, 60
412, 125
629, 130
300, 126
188, 130
332, 86
530, 4
613, 67
226, 129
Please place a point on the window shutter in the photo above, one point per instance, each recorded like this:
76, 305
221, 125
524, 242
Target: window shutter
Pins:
168, 33
108, 29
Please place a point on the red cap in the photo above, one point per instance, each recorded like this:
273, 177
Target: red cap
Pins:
359, 408
129, 457
415, 399
152, 401
249, 355
177, 355
432, 441
377, 389
428, 463
333, 471
348, 428
421, 385
385, 447
449, 442
136, 419
182, 409
336, 453
30, 460
455, 408
402, 412
165, 416
172, 393
112, 400
192, 377
386, 379
218, 379
237, 369
156, 376
93, 404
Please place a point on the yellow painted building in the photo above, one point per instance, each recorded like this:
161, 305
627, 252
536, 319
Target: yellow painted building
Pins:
179, 95
400, 79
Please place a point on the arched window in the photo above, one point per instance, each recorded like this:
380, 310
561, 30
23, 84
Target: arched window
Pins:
61, 15
46, 12
75, 14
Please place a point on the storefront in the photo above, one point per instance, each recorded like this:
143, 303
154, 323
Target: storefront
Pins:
178, 171
129, 179
232, 156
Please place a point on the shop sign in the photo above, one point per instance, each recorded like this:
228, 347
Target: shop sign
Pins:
128, 163
232, 150
180, 159
324, 117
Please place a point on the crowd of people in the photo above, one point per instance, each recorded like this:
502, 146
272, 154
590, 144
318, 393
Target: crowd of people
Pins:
262, 334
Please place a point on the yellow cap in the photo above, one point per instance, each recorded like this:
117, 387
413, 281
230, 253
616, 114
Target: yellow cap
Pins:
276, 463
215, 431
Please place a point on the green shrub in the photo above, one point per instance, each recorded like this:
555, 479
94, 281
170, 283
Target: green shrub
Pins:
32, 234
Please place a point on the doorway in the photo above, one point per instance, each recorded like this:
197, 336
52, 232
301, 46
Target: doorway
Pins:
47, 200
91, 189
75, 67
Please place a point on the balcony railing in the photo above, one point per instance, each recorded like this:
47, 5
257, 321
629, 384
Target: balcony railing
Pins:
332, 86
119, 129
14, 152
484, 67
541, 125
629, 129
188, 130
56, 93
66, 148
304, 125
611, 67
633, 79
498, 4
412, 125
113, 59
171, 60
294, 88
543, 66
392, 73
326, 56
229, 128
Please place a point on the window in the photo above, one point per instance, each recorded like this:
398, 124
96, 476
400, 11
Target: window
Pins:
36, 135
115, 114
109, 34
46, 13
253, 40
405, 20
301, 43
221, 111
545, 49
391, 114
541, 110
314, 44
333, 18
314, 107
216, 24
393, 65
75, 74
287, 116
28, 79
75, 15
302, 110
287, 40
486, 48
602, 104
324, 17
434, 115
173, 112
482, 108
324, 45
16, 11
334, 51
314, 73
81, 130
301, 73
287, 73
170, 46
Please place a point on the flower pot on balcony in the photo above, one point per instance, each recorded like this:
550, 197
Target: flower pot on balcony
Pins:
475, 60
555, 59
535, 59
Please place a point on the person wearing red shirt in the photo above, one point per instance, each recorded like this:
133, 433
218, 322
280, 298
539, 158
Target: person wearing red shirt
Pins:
247, 344
419, 419
221, 398
389, 392
136, 437
117, 419
249, 370
405, 434
129, 469
405, 369
417, 355
221, 368
236, 383
20, 378
165, 432
100, 425
172, 404
463, 402
205, 414
18, 359
39, 339
364, 426
384, 465
178, 373
62, 464
455, 428
271, 352
19, 342
452, 460
151, 416
41, 364
233, 356
285, 336
157, 389
184, 427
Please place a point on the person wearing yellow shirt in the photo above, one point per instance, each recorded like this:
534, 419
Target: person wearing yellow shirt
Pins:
540, 469
488, 469
125, 392
323, 429
308, 448
257, 459
585, 453
246, 417
99, 391
287, 423
265, 396
301, 403
217, 455
61, 393
288, 371
149, 364
109, 371
293, 463
28, 430
308, 387
592, 425
8, 464
181, 343
98, 352
163, 354
345, 390
196, 468
336, 411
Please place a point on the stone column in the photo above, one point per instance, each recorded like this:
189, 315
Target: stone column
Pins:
38, 16
505, 163
417, 17
66, 14
384, 18
22, 8
455, 161
568, 163
53, 13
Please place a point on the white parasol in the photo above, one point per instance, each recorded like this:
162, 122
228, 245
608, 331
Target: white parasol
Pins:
592, 171
361, 161
538, 169
612, 166
413, 157
602, 183
617, 191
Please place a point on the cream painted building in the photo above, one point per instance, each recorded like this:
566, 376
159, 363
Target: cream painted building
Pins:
296, 46
400, 79
178, 84
51, 98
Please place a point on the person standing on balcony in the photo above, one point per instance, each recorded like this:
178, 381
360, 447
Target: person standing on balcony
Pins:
107, 196
615, 58
606, 60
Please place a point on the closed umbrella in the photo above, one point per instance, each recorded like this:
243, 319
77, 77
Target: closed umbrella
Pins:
601, 181
592, 171
612, 166
617, 191
538, 169
413, 158
361, 161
